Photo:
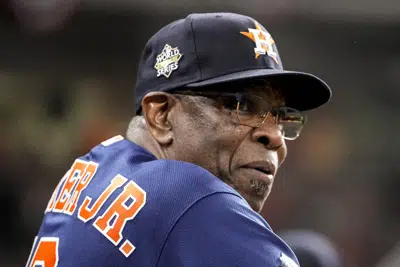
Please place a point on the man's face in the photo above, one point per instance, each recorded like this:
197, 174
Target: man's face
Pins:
246, 158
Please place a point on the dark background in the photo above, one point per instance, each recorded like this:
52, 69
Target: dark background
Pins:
67, 73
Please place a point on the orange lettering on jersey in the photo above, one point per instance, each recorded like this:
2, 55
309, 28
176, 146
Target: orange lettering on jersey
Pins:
83, 183
127, 248
85, 213
46, 253
112, 222
77, 170
52, 200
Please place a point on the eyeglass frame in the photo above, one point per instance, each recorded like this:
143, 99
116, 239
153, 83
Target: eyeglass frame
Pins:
264, 114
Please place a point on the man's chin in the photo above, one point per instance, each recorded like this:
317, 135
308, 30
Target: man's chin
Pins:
255, 195
256, 203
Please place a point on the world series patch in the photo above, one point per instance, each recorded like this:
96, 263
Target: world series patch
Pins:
167, 61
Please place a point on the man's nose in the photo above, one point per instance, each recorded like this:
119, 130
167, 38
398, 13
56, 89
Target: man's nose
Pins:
269, 134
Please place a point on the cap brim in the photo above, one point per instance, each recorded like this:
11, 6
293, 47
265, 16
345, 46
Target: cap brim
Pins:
302, 91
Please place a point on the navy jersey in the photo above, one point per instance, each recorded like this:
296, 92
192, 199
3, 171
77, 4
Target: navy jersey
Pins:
120, 206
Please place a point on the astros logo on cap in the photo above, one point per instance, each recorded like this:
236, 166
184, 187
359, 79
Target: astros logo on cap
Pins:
263, 42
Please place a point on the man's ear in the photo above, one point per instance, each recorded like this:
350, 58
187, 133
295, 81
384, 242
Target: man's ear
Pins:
156, 107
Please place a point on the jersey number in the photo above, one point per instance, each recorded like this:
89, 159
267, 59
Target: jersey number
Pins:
45, 254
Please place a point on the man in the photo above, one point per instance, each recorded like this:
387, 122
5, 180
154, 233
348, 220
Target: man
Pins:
213, 109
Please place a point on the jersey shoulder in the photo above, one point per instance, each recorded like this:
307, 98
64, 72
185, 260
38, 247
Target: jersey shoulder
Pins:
222, 230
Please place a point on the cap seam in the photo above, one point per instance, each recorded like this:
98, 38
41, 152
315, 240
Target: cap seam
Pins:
195, 47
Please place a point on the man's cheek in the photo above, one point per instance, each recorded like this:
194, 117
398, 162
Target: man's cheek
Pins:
281, 155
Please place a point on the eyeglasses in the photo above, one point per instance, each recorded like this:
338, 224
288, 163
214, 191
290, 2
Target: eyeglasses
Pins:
252, 110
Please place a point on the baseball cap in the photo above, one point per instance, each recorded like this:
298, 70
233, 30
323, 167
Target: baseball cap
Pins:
215, 48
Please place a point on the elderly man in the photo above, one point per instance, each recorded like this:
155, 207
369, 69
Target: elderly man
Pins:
214, 108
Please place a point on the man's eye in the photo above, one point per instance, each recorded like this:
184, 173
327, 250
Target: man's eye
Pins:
245, 106
250, 106
277, 112
229, 103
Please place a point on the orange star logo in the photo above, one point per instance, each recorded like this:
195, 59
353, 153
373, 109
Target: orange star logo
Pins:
263, 41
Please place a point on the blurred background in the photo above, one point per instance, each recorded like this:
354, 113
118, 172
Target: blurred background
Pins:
67, 71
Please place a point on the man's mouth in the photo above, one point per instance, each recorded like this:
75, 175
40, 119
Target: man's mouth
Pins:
265, 168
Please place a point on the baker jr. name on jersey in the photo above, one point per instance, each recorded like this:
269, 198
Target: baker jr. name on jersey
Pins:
109, 221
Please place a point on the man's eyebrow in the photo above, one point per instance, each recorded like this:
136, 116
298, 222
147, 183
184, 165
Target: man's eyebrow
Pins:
269, 93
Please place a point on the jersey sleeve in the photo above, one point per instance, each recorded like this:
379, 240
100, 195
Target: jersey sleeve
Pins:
222, 230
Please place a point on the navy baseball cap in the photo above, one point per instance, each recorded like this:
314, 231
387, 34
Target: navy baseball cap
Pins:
216, 48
